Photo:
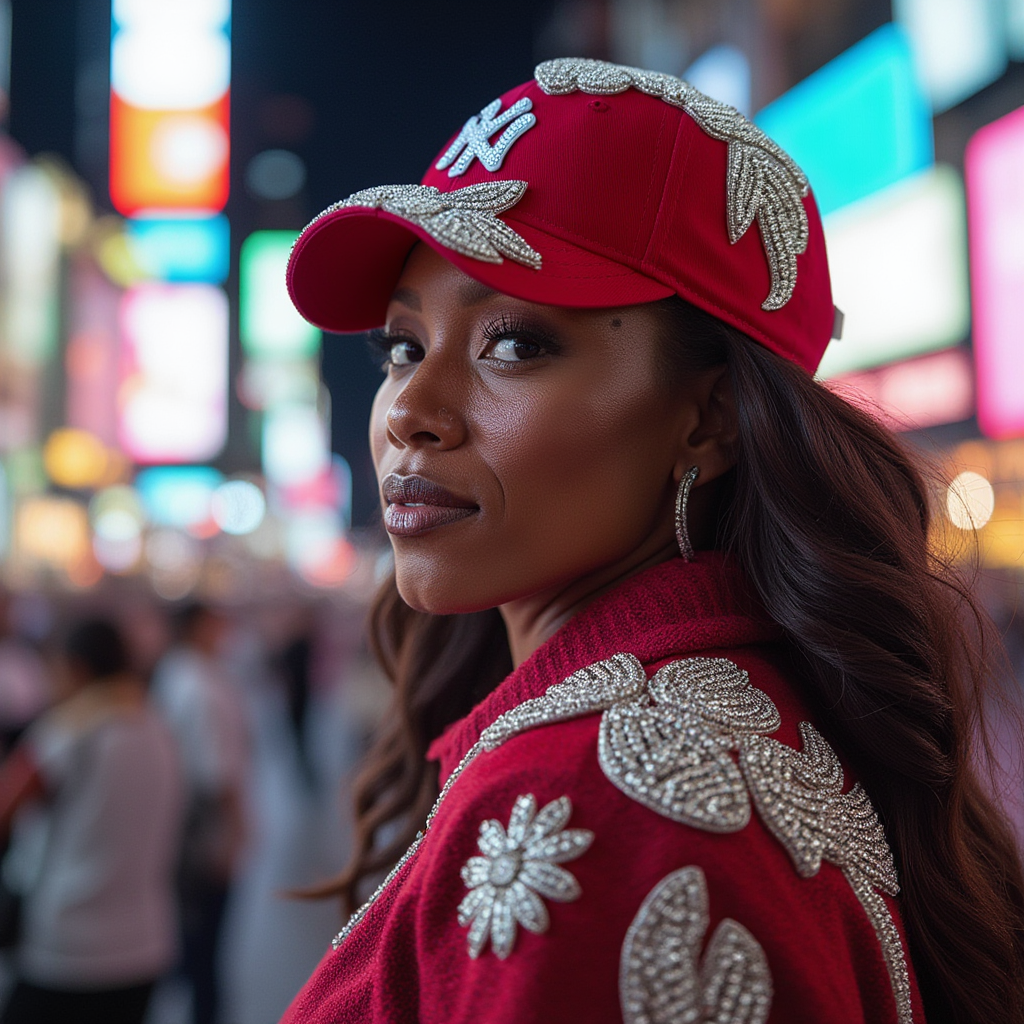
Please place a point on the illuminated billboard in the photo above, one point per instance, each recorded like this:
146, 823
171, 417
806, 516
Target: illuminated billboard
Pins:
898, 262
271, 327
994, 168
172, 401
181, 248
859, 124
959, 45
170, 69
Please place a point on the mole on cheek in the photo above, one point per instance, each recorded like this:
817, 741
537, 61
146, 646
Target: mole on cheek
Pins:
616, 323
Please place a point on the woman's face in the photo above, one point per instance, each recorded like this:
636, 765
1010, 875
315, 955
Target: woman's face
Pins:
521, 448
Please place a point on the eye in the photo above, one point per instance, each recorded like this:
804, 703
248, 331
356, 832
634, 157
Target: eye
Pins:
511, 340
515, 350
405, 351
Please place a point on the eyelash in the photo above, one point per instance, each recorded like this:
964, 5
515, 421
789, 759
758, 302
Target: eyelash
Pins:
504, 327
510, 326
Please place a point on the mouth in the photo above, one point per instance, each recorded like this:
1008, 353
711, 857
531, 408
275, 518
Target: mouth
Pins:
416, 505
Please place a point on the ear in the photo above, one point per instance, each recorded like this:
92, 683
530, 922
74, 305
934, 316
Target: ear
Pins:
711, 444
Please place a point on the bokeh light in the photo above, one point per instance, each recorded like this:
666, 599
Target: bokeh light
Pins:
970, 500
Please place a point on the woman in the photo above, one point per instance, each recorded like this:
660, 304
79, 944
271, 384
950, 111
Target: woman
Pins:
98, 923
733, 786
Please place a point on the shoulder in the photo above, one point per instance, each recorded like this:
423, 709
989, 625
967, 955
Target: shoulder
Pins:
621, 819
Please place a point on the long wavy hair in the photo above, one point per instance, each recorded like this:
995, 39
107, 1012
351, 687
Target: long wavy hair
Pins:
828, 513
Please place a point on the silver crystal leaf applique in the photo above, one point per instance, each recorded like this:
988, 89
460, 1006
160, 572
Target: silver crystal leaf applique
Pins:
472, 143
674, 756
799, 797
464, 220
762, 180
663, 978
517, 867
594, 688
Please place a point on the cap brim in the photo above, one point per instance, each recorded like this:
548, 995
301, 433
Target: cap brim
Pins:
345, 265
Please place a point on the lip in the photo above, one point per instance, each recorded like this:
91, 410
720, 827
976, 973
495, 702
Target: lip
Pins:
417, 505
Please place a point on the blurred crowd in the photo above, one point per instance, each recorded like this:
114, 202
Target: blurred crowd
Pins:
170, 776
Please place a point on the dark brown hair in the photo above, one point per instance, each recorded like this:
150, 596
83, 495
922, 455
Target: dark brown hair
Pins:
829, 516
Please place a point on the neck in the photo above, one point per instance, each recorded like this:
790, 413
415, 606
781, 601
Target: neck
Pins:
529, 621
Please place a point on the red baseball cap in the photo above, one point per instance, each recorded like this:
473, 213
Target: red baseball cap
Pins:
593, 185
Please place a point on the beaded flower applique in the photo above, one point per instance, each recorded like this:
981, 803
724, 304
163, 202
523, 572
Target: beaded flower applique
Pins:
798, 794
762, 180
668, 742
662, 977
517, 867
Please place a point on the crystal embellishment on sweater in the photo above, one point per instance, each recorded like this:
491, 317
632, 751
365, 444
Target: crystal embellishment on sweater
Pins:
799, 797
472, 143
354, 920
464, 220
762, 180
669, 743
594, 688
664, 980
674, 755
517, 867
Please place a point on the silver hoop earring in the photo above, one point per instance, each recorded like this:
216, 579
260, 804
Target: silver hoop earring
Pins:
682, 500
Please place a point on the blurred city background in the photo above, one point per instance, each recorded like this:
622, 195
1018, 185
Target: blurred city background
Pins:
177, 446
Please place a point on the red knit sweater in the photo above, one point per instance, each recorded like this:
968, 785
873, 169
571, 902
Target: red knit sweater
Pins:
710, 857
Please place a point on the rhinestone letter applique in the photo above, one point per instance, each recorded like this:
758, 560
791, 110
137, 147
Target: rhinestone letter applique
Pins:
464, 219
799, 797
762, 180
471, 143
664, 980
519, 866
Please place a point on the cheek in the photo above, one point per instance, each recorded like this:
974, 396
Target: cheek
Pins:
588, 467
378, 423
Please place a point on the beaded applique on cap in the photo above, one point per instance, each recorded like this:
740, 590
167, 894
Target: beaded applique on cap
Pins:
517, 867
471, 143
464, 220
664, 980
762, 181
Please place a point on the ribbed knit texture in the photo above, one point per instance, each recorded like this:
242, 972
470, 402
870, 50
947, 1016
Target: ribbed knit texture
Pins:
406, 961
676, 607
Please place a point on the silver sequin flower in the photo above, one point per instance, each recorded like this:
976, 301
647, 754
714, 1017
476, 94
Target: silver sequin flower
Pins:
762, 180
464, 220
517, 867
663, 979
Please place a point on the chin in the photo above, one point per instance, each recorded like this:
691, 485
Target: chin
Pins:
448, 591
435, 598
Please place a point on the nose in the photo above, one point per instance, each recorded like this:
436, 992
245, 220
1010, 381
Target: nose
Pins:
426, 412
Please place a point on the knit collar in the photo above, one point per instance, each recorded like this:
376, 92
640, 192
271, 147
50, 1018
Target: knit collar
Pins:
672, 609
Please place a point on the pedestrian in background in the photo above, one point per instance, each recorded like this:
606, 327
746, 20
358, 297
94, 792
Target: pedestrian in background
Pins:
25, 686
97, 918
204, 711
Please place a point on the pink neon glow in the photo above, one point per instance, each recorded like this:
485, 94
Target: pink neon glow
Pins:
914, 393
172, 400
994, 171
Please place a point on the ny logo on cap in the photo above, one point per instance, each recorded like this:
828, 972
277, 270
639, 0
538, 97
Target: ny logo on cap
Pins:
471, 143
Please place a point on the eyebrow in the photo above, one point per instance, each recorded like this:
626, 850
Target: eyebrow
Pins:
407, 297
473, 292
